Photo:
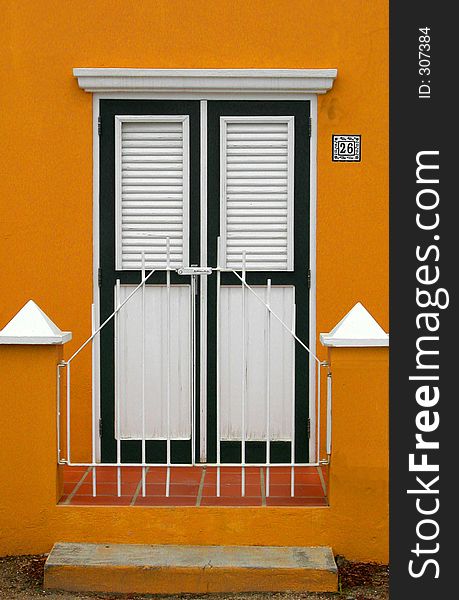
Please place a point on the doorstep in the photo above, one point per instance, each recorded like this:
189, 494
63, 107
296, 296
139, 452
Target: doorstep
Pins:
150, 569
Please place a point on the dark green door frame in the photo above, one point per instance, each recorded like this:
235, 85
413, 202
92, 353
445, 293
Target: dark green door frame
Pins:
181, 449
256, 451
131, 449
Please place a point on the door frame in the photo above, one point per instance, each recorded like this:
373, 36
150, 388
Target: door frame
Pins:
204, 97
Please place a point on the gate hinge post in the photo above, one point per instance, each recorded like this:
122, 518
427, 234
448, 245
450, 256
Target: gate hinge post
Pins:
99, 125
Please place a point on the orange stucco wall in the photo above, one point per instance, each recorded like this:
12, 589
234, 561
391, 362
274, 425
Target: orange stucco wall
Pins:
355, 524
46, 185
45, 121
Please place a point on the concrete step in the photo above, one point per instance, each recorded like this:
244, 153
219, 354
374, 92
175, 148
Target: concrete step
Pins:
189, 569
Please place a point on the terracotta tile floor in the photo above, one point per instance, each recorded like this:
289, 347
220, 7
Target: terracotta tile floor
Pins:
195, 486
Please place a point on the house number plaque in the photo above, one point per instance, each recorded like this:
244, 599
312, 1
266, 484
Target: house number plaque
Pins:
346, 148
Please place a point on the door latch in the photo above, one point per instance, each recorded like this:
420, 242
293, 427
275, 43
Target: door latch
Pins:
194, 271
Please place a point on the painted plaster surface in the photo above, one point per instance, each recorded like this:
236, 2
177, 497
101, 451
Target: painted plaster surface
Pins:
46, 250
355, 524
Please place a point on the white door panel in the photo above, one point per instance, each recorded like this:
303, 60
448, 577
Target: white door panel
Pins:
128, 371
281, 364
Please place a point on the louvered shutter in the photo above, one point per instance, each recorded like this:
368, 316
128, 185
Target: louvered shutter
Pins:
257, 162
152, 190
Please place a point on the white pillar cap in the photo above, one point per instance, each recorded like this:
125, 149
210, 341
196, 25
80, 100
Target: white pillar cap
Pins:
32, 326
357, 329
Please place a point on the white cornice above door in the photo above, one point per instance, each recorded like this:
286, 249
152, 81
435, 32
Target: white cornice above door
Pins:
221, 81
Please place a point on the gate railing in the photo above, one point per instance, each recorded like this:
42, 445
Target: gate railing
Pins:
64, 401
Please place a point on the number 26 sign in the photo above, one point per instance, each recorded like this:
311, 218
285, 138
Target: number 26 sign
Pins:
346, 148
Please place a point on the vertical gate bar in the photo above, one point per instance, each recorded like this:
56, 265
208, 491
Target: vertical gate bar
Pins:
268, 384
244, 377
143, 377
117, 388
318, 411
68, 414
203, 287
168, 360
329, 413
218, 368
58, 412
292, 449
93, 406
193, 290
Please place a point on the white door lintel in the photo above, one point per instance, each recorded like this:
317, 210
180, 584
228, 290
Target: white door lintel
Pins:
268, 81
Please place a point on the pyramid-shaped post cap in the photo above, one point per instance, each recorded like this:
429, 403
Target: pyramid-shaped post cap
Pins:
32, 326
357, 329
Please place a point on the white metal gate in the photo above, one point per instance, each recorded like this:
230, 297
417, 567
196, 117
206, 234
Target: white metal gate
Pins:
209, 363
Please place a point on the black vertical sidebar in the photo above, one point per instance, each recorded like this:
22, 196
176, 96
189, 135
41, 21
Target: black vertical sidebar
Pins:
423, 313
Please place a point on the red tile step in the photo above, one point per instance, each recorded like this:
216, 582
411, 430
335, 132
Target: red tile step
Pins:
195, 486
